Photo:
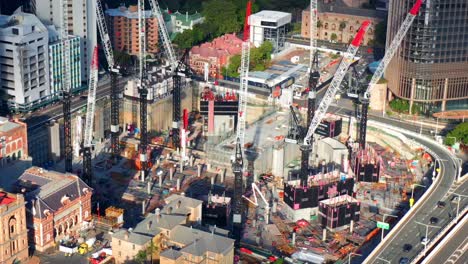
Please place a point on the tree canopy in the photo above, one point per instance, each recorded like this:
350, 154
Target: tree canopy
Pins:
460, 132
259, 60
381, 33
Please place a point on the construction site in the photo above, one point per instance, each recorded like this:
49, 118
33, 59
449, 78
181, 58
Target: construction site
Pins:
286, 178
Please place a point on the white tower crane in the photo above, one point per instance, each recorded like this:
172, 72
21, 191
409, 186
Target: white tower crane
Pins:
389, 53
91, 104
255, 191
393, 47
337, 79
164, 34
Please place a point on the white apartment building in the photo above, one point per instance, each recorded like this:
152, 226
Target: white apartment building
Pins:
82, 23
23, 59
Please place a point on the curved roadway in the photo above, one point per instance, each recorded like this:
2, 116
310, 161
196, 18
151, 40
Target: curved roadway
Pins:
410, 232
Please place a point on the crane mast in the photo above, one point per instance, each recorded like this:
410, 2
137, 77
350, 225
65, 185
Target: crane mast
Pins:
238, 163
142, 90
390, 52
114, 72
164, 34
336, 82
91, 104
256, 191
66, 88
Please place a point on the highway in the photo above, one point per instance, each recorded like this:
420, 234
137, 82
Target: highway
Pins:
55, 111
410, 232
455, 250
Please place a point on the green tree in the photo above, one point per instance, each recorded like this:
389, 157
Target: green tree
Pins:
460, 132
333, 37
141, 257
232, 70
319, 24
342, 25
399, 105
381, 33
223, 14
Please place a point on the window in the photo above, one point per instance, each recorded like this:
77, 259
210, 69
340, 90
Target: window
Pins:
120, 253
120, 242
133, 246
15, 31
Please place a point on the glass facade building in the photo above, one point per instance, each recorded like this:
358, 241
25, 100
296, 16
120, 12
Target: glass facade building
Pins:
56, 65
430, 68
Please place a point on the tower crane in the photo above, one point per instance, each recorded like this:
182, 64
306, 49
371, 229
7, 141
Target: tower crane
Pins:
336, 82
142, 90
156, 10
238, 163
255, 191
114, 73
88, 136
66, 87
390, 52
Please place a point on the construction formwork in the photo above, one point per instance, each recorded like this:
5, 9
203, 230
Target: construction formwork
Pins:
338, 212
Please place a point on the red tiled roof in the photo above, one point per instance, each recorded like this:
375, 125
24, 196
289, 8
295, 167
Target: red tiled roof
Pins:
221, 47
4, 199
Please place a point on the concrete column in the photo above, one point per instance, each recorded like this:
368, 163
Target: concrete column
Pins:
191, 161
413, 90
143, 206
212, 181
181, 165
293, 241
199, 167
222, 175
149, 188
160, 181
157, 162
178, 184
324, 236
208, 166
444, 101
351, 226
171, 173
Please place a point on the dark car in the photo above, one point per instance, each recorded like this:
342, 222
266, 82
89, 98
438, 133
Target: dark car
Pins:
404, 261
440, 204
407, 247
434, 220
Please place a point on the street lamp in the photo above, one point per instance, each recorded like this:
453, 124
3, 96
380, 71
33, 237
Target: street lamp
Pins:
459, 196
426, 239
383, 220
352, 254
379, 258
411, 202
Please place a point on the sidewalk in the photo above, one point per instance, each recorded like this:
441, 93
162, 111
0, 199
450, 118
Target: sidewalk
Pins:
414, 119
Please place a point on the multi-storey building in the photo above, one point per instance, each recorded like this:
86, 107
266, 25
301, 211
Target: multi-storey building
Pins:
14, 239
269, 26
124, 29
13, 140
214, 55
82, 23
338, 22
56, 62
58, 205
23, 60
430, 68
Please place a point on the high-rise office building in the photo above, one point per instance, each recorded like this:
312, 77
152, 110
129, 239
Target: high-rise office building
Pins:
82, 23
431, 65
23, 60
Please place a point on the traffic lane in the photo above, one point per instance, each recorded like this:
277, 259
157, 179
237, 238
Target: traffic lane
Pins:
56, 110
393, 250
445, 215
454, 248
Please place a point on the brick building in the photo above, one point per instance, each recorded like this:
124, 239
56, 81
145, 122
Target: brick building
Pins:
339, 22
123, 23
58, 205
215, 54
13, 140
14, 241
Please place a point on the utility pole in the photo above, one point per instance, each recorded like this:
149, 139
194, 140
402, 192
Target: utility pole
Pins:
459, 196
352, 254
383, 220
411, 201
426, 238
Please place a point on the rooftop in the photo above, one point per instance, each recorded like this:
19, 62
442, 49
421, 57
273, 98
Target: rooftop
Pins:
335, 144
171, 254
26, 23
198, 241
223, 46
47, 190
271, 15
130, 12
181, 204
338, 6
6, 199
339, 200
7, 125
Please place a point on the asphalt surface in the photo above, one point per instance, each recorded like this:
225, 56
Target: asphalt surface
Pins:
455, 250
411, 232
55, 111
